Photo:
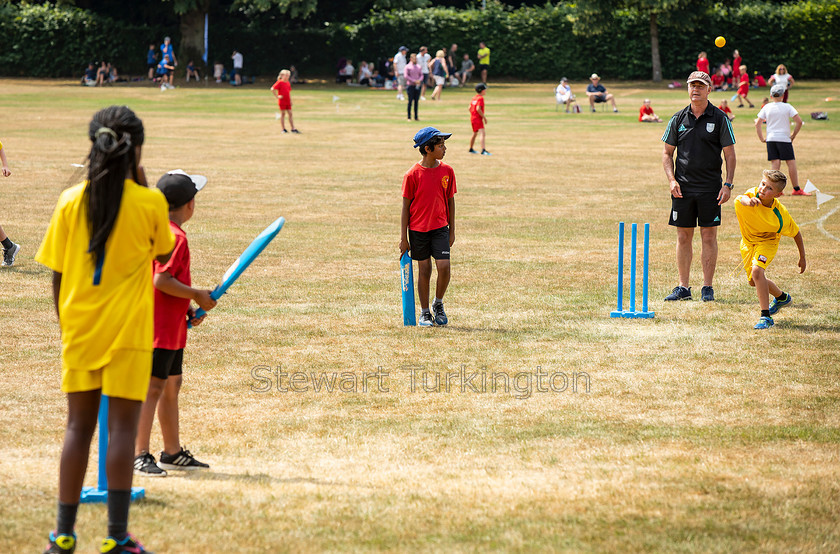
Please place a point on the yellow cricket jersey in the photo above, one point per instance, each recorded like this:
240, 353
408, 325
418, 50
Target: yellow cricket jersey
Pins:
484, 52
760, 224
118, 312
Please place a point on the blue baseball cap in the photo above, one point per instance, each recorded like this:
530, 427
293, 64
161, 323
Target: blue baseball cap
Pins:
426, 134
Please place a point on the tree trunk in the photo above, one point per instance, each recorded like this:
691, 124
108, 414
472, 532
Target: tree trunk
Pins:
656, 61
192, 37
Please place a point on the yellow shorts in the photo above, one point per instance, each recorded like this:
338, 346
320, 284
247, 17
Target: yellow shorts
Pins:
126, 376
757, 254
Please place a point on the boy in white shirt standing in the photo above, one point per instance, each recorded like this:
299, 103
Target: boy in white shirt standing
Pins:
779, 139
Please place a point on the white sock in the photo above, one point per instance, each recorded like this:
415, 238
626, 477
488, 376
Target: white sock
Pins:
425, 311
437, 301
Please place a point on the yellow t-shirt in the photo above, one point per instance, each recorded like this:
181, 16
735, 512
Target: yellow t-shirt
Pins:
760, 224
482, 52
117, 313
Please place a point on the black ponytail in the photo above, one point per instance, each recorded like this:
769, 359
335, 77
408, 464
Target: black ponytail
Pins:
114, 132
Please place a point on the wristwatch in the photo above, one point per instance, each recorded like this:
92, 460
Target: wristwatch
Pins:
730, 185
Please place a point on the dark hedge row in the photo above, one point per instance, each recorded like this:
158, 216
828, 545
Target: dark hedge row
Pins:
527, 43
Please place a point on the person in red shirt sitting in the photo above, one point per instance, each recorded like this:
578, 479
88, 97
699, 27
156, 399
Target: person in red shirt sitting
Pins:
719, 81
646, 114
724, 107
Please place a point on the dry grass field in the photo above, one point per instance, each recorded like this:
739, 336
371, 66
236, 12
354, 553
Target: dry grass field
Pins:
690, 432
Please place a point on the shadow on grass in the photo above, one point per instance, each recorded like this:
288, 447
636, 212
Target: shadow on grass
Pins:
252, 478
808, 328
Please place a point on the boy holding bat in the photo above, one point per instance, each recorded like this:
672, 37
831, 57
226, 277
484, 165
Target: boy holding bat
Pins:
427, 222
173, 292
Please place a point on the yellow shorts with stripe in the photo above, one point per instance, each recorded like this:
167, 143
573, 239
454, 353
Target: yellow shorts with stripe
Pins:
126, 376
757, 254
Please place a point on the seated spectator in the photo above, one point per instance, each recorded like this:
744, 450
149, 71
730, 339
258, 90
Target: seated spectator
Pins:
758, 80
218, 72
364, 73
563, 94
192, 71
467, 67
89, 79
646, 114
102, 73
719, 81
345, 74
114, 76
377, 80
164, 71
724, 107
597, 93
293, 75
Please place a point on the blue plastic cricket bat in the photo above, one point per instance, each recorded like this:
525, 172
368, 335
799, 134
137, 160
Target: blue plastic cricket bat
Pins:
244, 260
407, 282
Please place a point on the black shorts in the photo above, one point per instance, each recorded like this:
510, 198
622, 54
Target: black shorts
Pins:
482, 67
167, 362
780, 151
428, 244
600, 98
692, 210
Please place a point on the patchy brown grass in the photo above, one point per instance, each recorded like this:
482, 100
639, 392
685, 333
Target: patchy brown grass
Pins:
697, 434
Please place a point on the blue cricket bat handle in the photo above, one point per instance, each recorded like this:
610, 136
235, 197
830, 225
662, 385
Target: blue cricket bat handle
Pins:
215, 295
407, 286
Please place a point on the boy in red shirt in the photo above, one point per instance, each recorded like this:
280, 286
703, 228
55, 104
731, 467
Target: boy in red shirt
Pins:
744, 88
646, 113
724, 107
427, 222
172, 306
477, 118
282, 90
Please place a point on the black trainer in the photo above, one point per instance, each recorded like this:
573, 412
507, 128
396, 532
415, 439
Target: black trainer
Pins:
145, 464
9, 255
181, 460
707, 294
679, 293
440, 316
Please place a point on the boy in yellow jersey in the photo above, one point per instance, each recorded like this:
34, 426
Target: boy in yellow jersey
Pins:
763, 220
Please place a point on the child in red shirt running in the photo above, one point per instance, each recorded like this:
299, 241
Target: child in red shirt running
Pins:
427, 222
744, 88
173, 292
478, 119
282, 90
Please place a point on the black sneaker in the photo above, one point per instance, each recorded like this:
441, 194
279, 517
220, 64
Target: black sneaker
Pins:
425, 319
440, 315
61, 544
145, 464
679, 293
181, 460
9, 255
472, 151
295, 131
707, 294
128, 544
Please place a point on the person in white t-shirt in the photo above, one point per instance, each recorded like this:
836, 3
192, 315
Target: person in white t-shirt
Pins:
779, 139
237, 68
782, 77
400, 61
423, 59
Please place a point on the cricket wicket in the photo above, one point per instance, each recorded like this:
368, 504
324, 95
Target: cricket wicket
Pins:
632, 312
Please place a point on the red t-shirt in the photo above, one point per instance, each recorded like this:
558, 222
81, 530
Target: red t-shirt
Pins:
284, 89
171, 311
645, 110
717, 80
476, 103
744, 85
724, 109
761, 81
736, 67
703, 64
430, 190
